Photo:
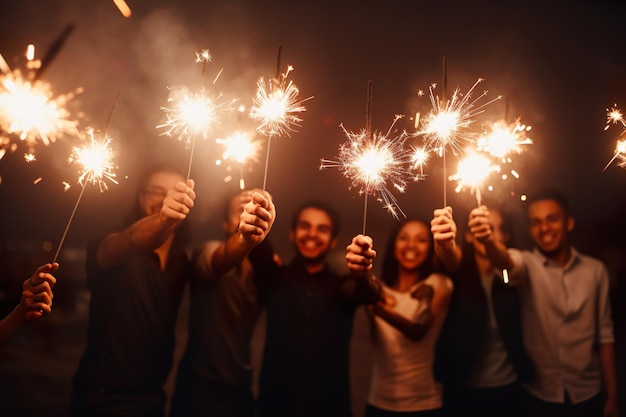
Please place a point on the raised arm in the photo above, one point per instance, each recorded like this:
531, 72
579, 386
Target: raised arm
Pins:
256, 220
482, 230
444, 230
434, 298
35, 302
150, 232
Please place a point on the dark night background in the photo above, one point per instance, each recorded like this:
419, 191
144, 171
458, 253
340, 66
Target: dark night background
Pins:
558, 64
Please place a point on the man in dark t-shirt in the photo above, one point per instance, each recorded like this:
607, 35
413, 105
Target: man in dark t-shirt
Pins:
136, 278
310, 311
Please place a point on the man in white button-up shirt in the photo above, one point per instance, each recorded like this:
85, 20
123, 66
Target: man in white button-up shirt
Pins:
566, 312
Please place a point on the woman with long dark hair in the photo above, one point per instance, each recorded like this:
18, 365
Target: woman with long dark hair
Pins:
405, 322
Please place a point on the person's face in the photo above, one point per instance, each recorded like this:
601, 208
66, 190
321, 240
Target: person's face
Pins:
549, 226
412, 245
151, 199
312, 236
499, 235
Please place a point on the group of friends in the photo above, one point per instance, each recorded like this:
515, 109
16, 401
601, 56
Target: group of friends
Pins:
460, 324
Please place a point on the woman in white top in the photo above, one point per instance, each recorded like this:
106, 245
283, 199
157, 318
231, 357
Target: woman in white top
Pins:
406, 321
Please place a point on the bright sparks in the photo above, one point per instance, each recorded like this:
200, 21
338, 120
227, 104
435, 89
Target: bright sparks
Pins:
473, 170
277, 106
95, 160
419, 157
448, 124
240, 148
192, 114
28, 108
371, 163
615, 116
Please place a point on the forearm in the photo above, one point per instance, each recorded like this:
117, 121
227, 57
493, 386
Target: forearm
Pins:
228, 255
607, 361
449, 256
499, 255
412, 331
143, 236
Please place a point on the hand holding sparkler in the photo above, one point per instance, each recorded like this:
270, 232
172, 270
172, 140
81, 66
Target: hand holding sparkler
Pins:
444, 231
360, 254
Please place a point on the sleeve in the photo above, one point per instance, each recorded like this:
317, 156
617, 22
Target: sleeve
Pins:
520, 271
604, 317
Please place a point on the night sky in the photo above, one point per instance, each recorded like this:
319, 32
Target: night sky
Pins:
558, 66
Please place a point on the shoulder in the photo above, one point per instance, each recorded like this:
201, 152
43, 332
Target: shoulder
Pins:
440, 281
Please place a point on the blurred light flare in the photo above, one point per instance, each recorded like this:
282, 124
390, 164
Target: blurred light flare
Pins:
28, 108
472, 172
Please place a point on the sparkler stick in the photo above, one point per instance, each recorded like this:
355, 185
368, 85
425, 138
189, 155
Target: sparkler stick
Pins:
54, 50
277, 108
448, 123
95, 159
370, 159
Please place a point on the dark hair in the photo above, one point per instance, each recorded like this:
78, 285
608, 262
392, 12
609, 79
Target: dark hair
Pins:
550, 194
391, 267
319, 205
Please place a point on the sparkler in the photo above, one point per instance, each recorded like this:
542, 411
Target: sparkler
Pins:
240, 148
448, 124
96, 167
472, 172
615, 116
28, 108
193, 114
370, 160
277, 108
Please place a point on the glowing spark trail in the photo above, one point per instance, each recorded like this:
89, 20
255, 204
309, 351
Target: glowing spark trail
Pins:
277, 108
615, 116
96, 167
192, 114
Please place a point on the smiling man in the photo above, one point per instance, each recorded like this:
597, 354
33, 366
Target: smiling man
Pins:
310, 310
566, 312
